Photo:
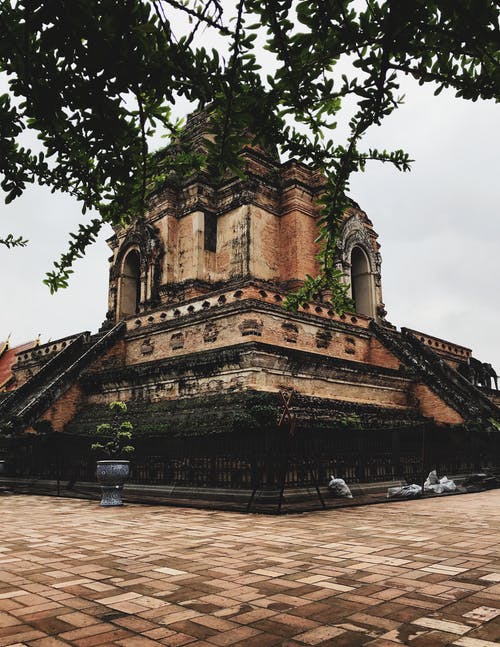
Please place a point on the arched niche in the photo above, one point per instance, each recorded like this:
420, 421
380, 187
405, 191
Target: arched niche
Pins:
130, 284
362, 286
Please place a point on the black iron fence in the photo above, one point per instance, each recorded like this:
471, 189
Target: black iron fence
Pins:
271, 460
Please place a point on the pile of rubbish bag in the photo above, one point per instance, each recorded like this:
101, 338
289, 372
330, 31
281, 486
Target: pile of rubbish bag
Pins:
438, 485
432, 484
339, 488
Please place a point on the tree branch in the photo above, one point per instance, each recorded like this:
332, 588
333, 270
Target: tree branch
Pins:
194, 14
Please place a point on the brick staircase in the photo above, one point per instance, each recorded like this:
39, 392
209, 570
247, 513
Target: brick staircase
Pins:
22, 407
428, 367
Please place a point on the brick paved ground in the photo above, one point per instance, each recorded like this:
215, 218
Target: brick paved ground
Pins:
419, 573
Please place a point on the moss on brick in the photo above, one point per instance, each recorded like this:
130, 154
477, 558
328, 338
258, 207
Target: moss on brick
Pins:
245, 412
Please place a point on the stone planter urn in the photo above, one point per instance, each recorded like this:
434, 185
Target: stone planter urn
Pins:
111, 475
113, 440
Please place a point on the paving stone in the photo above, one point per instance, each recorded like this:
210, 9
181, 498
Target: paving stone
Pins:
482, 614
420, 573
191, 628
233, 636
48, 642
474, 642
319, 635
442, 625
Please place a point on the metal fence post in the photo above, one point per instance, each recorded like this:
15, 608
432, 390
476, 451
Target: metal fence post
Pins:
396, 453
423, 476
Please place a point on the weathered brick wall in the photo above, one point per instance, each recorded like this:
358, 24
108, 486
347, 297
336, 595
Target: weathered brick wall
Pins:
297, 250
266, 228
233, 231
389, 395
261, 370
113, 357
220, 330
431, 406
183, 261
380, 356
264, 242
167, 227
68, 404
65, 408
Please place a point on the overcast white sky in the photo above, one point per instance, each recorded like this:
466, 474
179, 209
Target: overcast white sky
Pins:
439, 228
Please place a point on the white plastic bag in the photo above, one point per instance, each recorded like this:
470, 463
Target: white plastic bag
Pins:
404, 491
438, 486
339, 488
432, 479
432, 483
447, 484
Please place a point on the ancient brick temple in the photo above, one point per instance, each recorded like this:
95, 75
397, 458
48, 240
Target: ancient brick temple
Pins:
196, 330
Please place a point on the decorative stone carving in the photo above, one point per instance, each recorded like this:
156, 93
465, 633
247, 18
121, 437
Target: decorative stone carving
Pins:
147, 347
354, 233
323, 338
381, 311
210, 332
290, 332
251, 327
350, 345
187, 386
177, 341
215, 385
236, 383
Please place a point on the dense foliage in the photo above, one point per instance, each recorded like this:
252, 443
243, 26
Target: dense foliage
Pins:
94, 79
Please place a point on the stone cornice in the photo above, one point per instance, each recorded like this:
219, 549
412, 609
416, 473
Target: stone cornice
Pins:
150, 328
248, 354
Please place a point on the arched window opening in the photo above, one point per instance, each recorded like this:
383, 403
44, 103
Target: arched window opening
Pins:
130, 292
361, 283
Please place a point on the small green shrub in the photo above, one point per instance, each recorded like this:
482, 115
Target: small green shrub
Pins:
115, 437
